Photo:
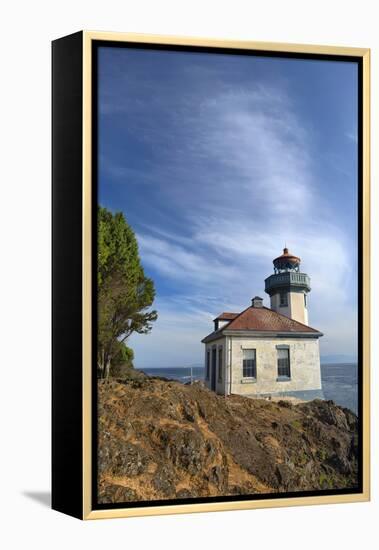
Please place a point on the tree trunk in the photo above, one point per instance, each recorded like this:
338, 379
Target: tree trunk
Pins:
107, 368
101, 364
104, 364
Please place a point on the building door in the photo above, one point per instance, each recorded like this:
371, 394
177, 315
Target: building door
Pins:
214, 369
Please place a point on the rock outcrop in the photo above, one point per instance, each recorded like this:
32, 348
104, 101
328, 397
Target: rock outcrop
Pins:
160, 439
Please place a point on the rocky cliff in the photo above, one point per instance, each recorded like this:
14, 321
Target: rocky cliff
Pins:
160, 439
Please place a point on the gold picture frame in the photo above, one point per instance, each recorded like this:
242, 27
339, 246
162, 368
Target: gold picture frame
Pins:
80, 46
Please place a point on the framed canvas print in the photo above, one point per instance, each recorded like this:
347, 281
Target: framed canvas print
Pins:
210, 275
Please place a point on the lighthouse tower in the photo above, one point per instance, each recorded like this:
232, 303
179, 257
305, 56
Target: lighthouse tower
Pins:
288, 288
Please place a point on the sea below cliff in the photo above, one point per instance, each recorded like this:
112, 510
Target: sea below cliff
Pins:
339, 380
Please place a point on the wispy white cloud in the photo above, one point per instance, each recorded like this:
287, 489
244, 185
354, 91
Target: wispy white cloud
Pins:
352, 136
177, 262
238, 169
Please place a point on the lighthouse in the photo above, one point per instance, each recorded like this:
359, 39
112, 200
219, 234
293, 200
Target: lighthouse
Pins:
288, 288
268, 352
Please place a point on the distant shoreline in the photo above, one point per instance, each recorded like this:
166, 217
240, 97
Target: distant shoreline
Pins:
323, 364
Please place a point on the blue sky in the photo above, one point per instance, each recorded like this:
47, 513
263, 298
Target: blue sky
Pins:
217, 161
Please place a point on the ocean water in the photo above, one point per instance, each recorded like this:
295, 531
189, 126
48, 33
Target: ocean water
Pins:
339, 380
182, 374
340, 383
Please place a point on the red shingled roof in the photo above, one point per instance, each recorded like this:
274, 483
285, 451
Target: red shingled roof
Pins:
226, 316
262, 318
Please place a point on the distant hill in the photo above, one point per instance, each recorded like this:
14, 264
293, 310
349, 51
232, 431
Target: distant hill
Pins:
161, 439
338, 359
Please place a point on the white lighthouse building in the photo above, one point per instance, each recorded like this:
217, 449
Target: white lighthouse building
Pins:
264, 351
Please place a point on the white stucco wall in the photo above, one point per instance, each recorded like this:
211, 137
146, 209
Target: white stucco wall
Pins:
295, 309
275, 305
298, 310
304, 365
220, 384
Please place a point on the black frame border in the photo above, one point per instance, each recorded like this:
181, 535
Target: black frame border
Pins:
67, 259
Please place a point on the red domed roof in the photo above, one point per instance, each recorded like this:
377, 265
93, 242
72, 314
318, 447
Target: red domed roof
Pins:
286, 260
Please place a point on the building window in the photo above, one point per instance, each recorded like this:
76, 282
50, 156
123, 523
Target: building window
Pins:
208, 365
305, 300
249, 363
283, 299
284, 363
220, 364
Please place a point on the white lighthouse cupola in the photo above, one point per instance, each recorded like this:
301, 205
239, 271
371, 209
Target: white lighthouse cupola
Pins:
288, 288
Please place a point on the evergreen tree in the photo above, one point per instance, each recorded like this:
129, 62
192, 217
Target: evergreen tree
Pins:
124, 292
